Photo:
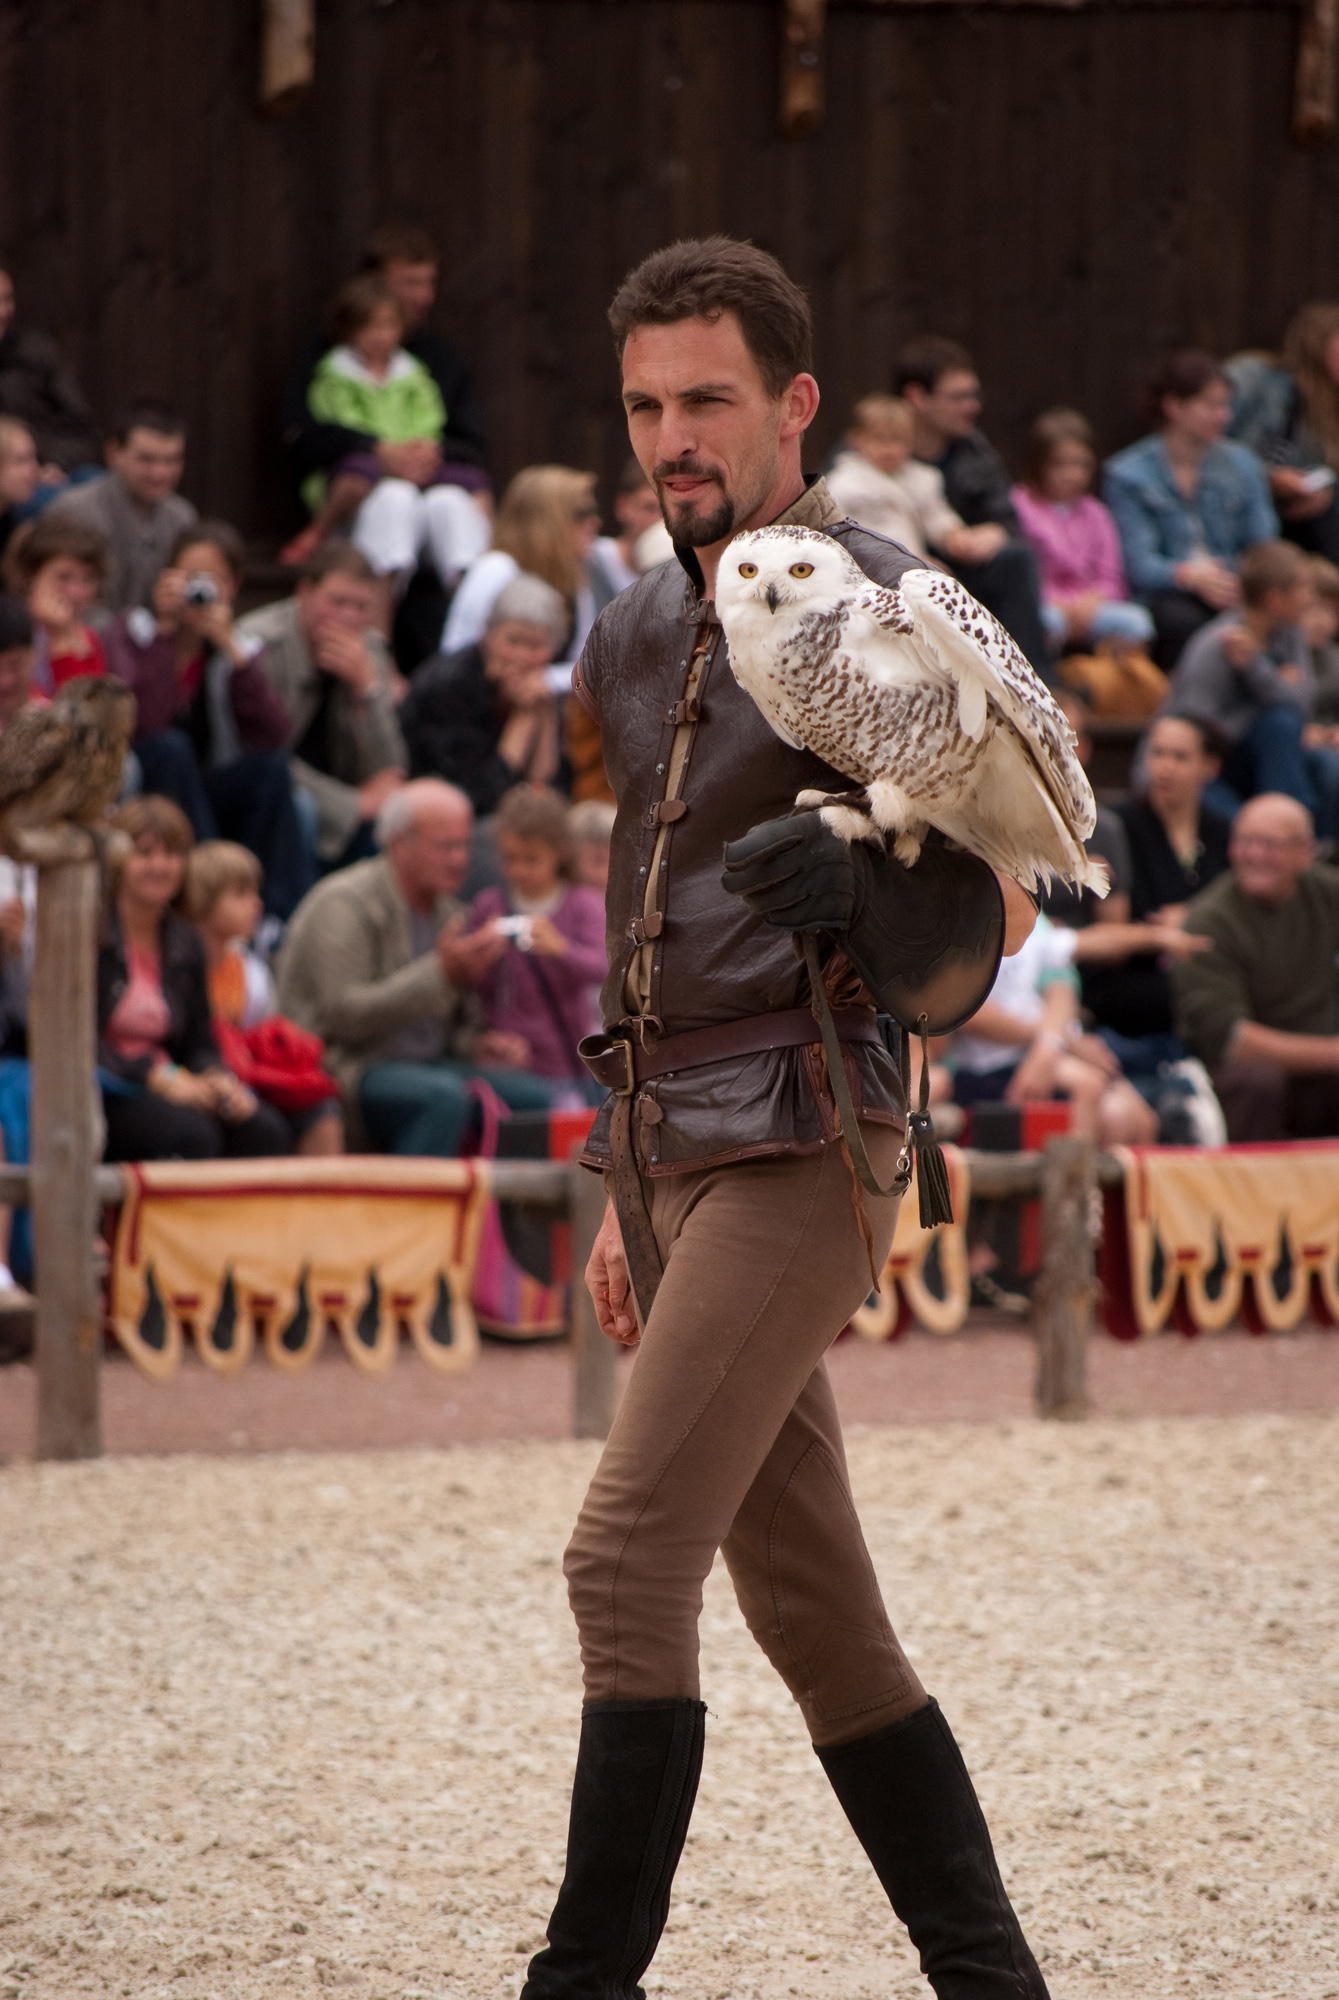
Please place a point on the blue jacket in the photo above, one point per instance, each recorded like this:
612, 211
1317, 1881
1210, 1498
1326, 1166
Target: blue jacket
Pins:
1160, 528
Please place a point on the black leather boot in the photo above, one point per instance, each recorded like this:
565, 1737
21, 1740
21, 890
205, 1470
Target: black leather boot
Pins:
906, 1792
632, 1797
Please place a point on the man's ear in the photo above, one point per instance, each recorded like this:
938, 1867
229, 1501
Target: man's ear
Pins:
799, 406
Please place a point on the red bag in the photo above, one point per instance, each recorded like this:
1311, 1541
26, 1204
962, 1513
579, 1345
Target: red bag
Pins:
278, 1060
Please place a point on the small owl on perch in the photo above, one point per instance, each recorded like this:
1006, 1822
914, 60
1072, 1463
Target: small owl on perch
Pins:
65, 762
917, 694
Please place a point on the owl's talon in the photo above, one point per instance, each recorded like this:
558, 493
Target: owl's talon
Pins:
849, 825
907, 849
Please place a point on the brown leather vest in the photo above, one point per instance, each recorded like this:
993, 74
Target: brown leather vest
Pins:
711, 959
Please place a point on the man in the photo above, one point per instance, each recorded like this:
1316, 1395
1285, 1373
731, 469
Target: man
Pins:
406, 258
636, 508
331, 669
39, 390
732, 1195
376, 962
1259, 1007
939, 380
1248, 675
135, 504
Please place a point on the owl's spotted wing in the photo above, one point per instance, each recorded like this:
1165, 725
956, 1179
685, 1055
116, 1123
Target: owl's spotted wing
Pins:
969, 645
32, 749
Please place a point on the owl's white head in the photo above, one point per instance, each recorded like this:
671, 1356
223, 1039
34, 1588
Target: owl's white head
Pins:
770, 576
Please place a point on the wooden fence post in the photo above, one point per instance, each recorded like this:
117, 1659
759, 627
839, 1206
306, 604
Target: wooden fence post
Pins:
1062, 1301
63, 1048
594, 1355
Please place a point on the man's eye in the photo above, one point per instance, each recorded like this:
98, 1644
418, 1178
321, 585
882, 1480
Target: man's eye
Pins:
748, 569
801, 569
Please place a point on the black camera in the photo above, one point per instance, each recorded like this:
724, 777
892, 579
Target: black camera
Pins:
201, 590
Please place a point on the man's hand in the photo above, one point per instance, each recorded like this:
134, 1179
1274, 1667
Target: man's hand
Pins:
1295, 500
374, 791
1206, 577
496, 1049
466, 959
607, 1283
345, 654
976, 545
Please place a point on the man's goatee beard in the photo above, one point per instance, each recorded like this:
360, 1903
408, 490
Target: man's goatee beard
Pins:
699, 531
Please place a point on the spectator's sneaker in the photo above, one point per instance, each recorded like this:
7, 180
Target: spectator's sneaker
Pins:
1189, 1113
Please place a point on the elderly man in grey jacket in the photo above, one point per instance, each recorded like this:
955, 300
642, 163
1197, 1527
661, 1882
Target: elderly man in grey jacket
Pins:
335, 676
376, 962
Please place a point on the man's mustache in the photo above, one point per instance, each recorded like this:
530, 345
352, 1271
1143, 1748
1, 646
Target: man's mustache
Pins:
684, 468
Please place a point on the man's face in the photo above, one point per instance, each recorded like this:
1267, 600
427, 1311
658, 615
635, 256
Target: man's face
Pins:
149, 464
336, 604
6, 302
636, 512
433, 858
415, 286
952, 406
1270, 847
704, 429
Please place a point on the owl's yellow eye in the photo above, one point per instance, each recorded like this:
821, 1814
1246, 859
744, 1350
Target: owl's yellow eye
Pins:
748, 569
801, 569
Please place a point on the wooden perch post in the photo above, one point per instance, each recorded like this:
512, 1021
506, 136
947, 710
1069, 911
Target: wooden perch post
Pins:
801, 67
287, 52
594, 1355
1063, 1301
1314, 109
62, 1035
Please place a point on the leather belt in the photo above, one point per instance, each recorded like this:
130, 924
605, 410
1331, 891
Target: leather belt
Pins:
620, 1063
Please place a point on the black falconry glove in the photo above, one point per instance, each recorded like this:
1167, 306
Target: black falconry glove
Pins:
926, 940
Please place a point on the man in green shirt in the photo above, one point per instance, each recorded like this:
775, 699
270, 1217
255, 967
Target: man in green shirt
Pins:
1259, 1009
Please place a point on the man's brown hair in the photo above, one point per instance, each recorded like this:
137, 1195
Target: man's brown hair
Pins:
1269, 566
336, 557
398, 243
707, 277
923, 362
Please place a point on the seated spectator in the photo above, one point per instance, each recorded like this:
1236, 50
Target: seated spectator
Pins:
1320, 629
1085, 598
1187, 503
135, 505
1259, 1007
368, 382
20, 476
59, 565
547, 526
377, 964
1025, 1045
591, 825
1248, 674
544, 985
878, 483
485, 718
222, 899
636, 508
1285, 408
333, 673
939, 380
212, 731
165, 1093
39, 390
406, 259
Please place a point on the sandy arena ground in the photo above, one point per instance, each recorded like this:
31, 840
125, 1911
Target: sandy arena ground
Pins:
272, 1725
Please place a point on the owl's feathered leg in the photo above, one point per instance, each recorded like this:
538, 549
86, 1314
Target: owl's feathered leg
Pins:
847, 814
895, 813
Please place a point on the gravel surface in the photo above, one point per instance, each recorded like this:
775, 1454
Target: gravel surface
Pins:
274, 1725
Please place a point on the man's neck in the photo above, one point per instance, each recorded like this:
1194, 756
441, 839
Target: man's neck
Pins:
786, 491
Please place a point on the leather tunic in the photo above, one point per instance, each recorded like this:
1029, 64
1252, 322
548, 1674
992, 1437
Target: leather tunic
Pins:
698, 954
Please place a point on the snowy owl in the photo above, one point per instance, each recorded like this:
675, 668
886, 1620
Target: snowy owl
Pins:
916, 693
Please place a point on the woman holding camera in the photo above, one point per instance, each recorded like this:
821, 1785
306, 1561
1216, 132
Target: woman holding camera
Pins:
212, 730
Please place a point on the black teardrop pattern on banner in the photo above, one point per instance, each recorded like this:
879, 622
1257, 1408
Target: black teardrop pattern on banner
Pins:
441, 1330
223, 1332
932, 1271
153, 1320
294, 1336
1216, 1275
1157, 1268
1281, 1277
369, 1319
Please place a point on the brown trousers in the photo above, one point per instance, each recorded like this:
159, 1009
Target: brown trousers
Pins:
727, 1438
1262, 1100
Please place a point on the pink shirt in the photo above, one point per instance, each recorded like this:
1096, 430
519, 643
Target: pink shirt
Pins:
1077, 546
140, 1021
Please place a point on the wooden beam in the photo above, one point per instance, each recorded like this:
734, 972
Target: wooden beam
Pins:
1314, 104
62, 1032
801, 108
287, 53
1063, 1300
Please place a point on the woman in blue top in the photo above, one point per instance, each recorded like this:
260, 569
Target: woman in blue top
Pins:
1187, 502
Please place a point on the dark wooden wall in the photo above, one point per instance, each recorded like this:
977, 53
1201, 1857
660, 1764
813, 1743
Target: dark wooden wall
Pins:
1068, 192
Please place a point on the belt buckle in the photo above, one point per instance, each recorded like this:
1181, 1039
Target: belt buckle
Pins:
624, 1042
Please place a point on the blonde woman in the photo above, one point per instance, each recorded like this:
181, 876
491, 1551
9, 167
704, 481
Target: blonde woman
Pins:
547, 526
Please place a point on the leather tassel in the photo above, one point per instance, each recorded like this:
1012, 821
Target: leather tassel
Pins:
932, 1183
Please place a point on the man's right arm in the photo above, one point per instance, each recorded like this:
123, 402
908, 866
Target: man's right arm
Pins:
1251, 1042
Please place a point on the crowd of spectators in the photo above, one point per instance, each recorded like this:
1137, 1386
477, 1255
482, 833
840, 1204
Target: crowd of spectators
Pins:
368, 828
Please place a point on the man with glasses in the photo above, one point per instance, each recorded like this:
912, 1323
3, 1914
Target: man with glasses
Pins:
938, 379
1259, 1008
376, 962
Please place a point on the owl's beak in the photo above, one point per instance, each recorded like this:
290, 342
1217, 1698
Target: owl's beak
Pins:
771, 595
